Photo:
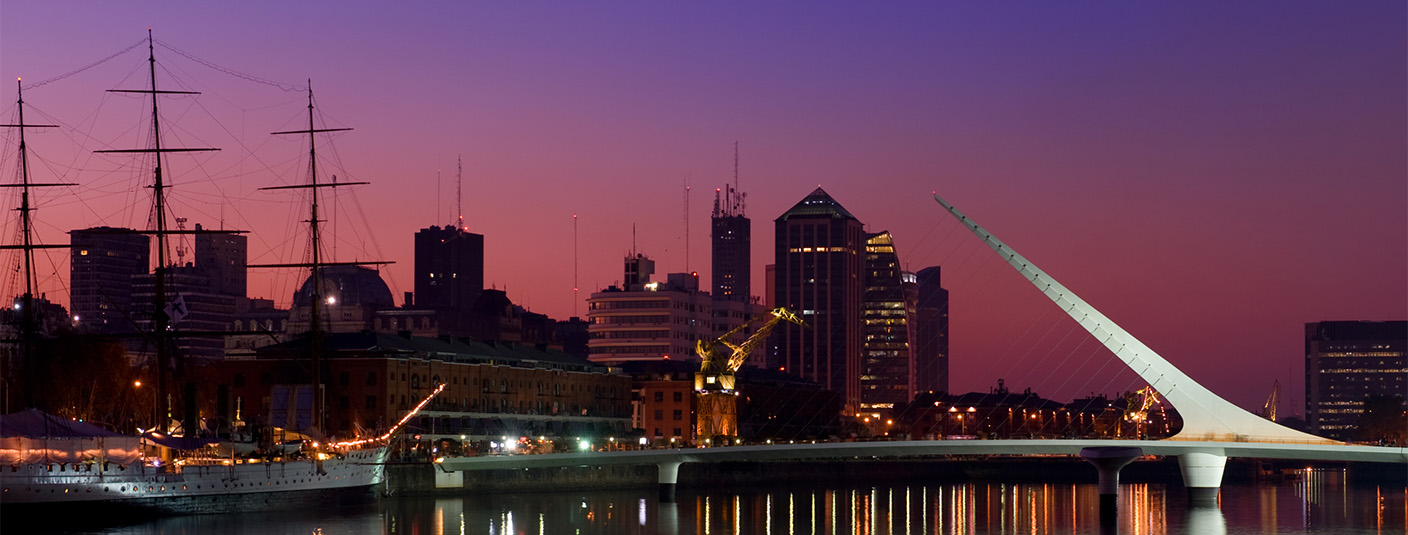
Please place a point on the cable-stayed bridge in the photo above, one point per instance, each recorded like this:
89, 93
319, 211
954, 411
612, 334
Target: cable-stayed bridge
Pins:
1213, 428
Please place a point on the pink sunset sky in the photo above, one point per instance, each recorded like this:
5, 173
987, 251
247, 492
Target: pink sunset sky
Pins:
1211, 176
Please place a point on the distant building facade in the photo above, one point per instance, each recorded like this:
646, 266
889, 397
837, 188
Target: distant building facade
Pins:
645, 319
351, 297
1346, 362
449, 265
223, 259
373, 379
819, 261
192, 307
731, 238
930, 332
102, 262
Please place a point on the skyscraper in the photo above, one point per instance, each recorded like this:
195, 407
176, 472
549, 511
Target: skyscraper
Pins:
887, 368
818, 271
930, 332
732, 256
449, 267
103, 261
1345, 363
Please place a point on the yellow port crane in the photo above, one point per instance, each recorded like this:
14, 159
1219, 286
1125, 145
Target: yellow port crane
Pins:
1138, 403
717, 411
1268, 410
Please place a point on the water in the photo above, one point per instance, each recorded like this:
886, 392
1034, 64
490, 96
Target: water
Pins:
1318, 503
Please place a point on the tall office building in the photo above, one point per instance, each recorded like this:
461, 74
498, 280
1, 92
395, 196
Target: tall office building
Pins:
819, 260
732, 255
930, 332
887, 367
449, 267
223, 259
103, 261
1346, 362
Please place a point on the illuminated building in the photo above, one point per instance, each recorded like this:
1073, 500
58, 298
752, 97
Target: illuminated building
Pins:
818, 271
887, 366
1346, 362
647, 320
103, 261
930, 332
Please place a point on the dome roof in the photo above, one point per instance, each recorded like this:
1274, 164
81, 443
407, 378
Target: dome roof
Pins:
349, 285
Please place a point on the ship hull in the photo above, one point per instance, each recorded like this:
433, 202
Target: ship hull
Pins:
244, 487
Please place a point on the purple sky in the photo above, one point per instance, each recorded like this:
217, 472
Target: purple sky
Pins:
1211, 176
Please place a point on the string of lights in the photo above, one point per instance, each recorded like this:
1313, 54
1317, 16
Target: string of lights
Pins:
352, 443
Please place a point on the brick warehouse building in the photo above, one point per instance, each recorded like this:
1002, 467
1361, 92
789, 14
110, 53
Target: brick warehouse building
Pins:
372, 380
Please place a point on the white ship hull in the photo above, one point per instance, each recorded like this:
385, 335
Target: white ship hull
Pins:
193, 488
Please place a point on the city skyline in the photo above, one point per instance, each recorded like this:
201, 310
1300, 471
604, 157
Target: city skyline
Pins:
1212, 176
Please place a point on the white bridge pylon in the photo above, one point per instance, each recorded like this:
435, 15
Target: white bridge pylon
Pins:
1206, 416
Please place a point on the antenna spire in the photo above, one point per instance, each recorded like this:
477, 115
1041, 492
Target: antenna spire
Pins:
459, 191
576, 297
686, 224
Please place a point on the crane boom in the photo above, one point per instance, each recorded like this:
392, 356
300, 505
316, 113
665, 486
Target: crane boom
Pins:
717, 403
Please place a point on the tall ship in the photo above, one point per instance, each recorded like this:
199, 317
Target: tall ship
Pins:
48, 460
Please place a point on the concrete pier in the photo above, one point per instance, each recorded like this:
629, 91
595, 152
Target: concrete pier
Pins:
669, 475
1202, 475
1109, 460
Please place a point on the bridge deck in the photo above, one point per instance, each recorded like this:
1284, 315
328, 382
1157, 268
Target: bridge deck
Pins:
926, 448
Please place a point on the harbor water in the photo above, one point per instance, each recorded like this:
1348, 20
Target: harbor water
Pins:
1315, 502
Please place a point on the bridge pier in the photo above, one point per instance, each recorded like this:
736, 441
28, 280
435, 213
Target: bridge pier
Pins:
1109, 460
669, 474
1202, 475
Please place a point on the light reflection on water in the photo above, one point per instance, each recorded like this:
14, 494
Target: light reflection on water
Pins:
1319, 502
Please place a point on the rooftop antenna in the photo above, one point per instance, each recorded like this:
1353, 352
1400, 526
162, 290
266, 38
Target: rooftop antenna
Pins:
459, 191
686, 224
633, 239
576, 297
438, 206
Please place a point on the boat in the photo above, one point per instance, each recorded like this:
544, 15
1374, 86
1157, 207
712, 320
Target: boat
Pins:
47, 461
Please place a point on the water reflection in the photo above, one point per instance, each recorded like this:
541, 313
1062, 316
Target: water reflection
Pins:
1325, 505
1318, 502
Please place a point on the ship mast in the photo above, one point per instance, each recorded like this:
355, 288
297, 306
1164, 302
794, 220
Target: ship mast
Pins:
161, 320
30, 320
315, 322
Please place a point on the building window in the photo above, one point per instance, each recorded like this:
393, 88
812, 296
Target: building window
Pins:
659, 414
239, 379
677, 416
679, 396
344, 378
371, 378
659, 396
371, 402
